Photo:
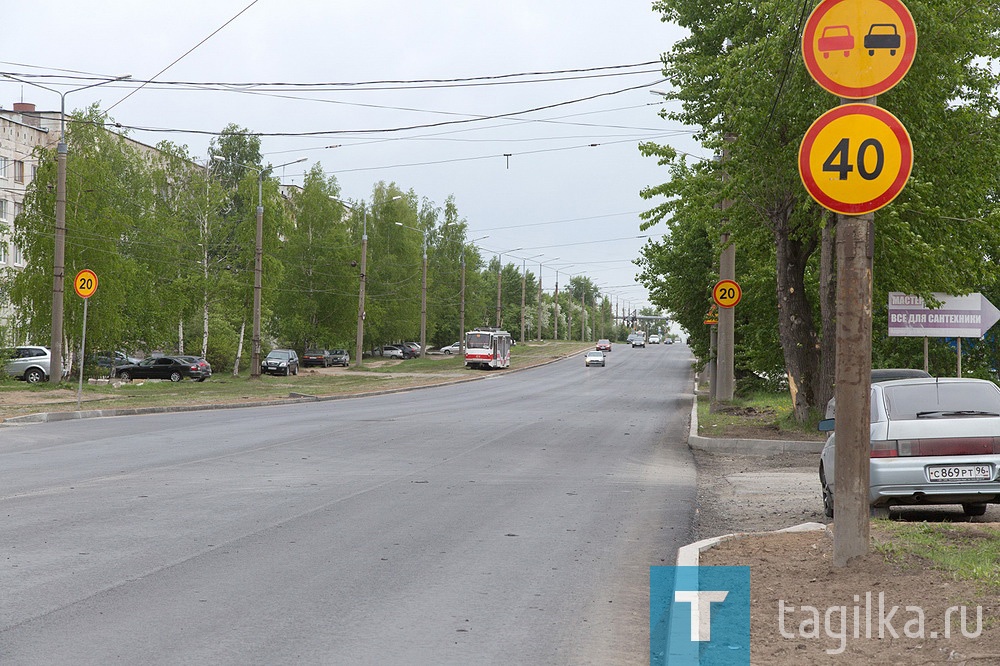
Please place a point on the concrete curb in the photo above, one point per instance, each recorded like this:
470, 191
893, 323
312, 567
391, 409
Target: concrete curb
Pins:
688, 556
292, 399
754, 447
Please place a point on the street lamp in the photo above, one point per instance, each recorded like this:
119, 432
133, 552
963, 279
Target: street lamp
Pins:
258, 257
540, 298
423, 290
524, 260
555, 320
500, 279
360, 335
461, 311
59, 251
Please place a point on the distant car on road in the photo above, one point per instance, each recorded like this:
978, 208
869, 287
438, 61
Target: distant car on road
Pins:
340, 357
933, 441
280, 362
604, 345
654, 339
174, 368
594, 358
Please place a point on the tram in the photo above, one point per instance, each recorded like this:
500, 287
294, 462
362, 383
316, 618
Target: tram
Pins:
487, 348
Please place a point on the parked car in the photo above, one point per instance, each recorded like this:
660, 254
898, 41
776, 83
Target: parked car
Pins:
413, 347
390, 351
280, 362
603, 345
933, 441
174, 368
453, 348
880, 375
320, 357
594, 358
106, 359
203, 365
340, 357
29, 362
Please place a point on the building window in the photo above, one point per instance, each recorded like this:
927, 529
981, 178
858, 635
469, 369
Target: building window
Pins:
18, 171
3, 168
18, 260
3, 210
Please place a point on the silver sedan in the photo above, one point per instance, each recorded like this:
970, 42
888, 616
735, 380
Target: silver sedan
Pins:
933, 441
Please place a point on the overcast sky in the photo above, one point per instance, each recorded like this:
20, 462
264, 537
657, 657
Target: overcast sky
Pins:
556, 194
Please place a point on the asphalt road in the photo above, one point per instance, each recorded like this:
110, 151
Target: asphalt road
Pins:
505, 521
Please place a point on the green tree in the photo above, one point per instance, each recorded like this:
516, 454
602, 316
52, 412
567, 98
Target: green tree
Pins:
755, 118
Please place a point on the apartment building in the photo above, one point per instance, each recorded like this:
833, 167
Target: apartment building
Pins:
22, 129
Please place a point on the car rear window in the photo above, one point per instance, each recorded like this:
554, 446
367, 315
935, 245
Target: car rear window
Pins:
905, 403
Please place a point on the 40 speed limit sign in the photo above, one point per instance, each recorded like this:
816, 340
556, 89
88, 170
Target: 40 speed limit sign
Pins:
855, 159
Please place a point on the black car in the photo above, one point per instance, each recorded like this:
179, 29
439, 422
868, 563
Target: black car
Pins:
174, 368
340, 357
280, 362
321, 357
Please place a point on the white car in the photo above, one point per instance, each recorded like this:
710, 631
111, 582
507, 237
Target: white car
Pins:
453, 348
594, 358
654, 339
933, 441
29, 362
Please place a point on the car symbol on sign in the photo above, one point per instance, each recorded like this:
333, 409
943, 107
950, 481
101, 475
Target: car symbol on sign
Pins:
882, 36
836, 38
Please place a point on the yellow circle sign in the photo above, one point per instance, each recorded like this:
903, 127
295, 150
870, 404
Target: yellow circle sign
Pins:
85, 283
726, 293
859, 48
855, 158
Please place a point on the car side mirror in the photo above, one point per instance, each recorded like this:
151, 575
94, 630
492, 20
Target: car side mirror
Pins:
826, 425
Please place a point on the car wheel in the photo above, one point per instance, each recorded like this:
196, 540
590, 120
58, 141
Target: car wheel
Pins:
125, 376
34, 376
176, 376
827, 494
974, 509
288, 371
447, 352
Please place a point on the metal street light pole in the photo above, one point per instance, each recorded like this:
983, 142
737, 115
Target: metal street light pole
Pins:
258, 268
423, 290
555, 321
524, 277
59, 251
540, 298
500, 280
461, 311
359, 336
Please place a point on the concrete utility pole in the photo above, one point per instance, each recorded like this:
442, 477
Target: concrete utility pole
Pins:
853, 376
726, 326
727, 316
852, 387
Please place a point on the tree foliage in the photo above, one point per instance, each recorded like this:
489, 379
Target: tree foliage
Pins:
940, 234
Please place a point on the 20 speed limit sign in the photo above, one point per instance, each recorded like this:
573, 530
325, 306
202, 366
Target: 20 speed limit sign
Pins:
855, 159
85, 283
726, 293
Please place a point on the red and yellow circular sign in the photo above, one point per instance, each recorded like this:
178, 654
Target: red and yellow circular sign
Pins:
726, 293
855, 158
85, 283
859, 48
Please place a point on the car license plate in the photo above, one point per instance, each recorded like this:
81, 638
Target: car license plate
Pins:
960, 473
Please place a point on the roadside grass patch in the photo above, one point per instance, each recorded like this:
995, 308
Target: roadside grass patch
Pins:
965, 550
761, 411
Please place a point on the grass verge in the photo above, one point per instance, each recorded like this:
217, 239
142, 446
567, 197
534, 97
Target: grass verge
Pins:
18, 398
761, 412
966, 551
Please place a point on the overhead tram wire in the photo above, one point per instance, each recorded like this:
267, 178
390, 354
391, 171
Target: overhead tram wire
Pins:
388, 130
